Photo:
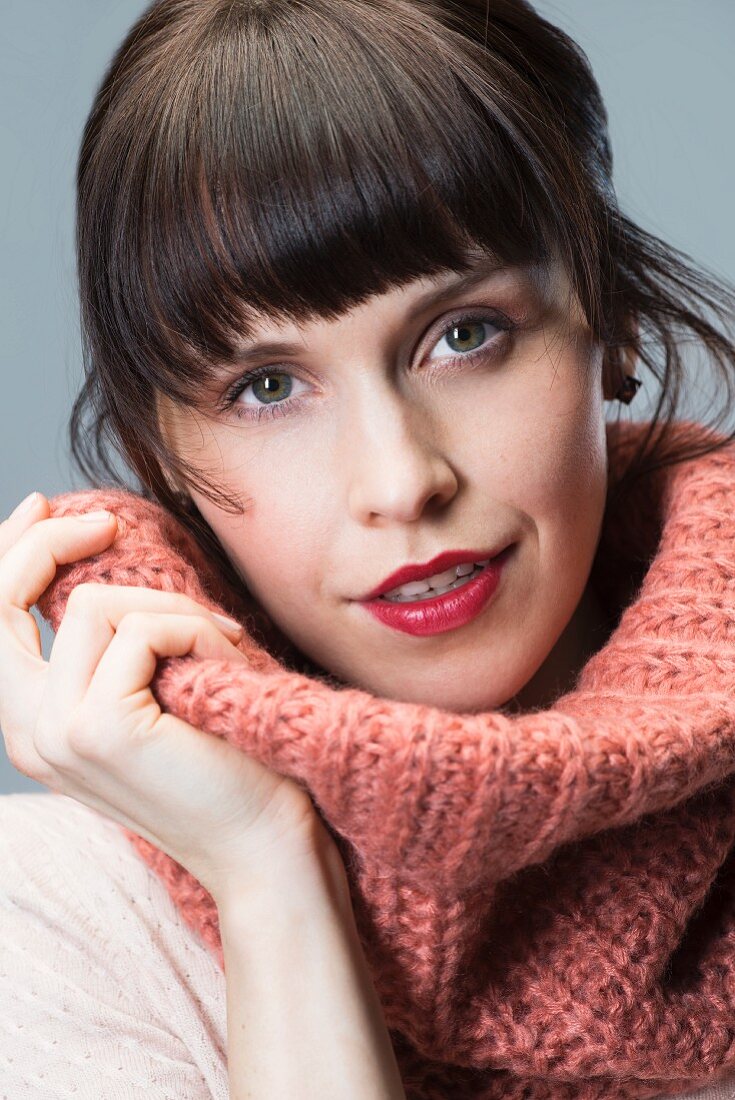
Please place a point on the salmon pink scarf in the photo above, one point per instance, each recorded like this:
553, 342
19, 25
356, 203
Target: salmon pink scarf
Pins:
546, 901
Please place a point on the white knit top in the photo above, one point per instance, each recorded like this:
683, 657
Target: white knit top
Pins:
105, 994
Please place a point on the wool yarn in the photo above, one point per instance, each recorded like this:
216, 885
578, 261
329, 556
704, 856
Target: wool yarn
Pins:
546, 901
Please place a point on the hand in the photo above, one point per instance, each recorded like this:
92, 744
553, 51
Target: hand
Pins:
86, 723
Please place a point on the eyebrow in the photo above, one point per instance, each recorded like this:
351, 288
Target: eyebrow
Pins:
483, 269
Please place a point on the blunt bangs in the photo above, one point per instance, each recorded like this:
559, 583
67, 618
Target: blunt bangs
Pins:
298, 158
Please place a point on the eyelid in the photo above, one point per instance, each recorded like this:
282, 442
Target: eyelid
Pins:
246, 378
467, 313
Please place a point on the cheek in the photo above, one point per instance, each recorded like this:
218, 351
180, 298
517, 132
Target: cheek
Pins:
276, 545
566, 504
566, 481
547, 462
547, 468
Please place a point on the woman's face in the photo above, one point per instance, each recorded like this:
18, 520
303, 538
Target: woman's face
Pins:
410, 426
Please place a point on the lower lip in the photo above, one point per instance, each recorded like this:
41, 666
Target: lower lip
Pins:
441, 613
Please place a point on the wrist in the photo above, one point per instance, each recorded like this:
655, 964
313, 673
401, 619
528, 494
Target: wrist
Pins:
291, 870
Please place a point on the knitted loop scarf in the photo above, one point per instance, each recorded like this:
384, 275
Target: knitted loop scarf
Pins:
546, 901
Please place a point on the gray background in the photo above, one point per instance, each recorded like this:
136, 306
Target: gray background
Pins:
664, 66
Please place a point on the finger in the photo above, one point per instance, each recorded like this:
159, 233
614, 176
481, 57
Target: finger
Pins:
112, 601
24, 515
127, 666
93, 612
22, 684
29, 565
34, 507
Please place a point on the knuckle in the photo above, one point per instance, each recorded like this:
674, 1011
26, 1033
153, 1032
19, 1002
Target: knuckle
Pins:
10, 538
61, 743
48, 742
36, 537
14, 753
81, 736
134, 623
135, 626
27, 763
83, 597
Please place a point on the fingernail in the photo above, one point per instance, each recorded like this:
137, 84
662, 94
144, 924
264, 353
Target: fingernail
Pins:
26, 504
230, 624
96, 517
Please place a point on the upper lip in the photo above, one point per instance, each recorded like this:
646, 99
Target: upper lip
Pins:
438, 564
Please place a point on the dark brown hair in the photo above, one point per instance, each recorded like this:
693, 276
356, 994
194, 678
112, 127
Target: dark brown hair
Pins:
294, 157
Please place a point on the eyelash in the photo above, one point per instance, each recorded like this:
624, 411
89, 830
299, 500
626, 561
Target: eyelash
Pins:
499, 321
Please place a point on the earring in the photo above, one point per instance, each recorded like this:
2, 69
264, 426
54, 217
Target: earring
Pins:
628, 389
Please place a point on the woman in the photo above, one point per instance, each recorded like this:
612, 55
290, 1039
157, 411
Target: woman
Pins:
356, 295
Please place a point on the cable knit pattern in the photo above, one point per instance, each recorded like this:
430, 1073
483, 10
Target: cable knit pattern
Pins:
546, 901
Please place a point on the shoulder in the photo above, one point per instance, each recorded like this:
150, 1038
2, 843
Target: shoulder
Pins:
100, 979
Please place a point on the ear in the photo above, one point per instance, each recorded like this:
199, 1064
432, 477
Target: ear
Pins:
620, 361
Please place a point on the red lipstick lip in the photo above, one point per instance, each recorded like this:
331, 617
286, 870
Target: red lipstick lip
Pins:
450, 611
437, 565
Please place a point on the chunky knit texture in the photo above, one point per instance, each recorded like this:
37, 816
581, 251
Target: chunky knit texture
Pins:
546, 901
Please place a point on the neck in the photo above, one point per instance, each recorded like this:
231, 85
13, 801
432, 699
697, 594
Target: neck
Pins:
586, 632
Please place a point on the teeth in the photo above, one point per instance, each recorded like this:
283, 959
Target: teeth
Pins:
438, 584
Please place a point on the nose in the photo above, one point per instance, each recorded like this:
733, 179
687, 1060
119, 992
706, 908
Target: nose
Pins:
392, 452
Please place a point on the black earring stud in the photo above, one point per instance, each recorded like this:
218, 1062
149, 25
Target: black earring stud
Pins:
628, 389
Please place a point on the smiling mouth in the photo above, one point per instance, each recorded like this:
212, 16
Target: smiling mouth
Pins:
431, 592
441, 575
450, 606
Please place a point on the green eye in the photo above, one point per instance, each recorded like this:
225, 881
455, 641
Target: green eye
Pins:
467, 336
271, 386
471, 337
